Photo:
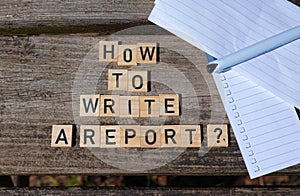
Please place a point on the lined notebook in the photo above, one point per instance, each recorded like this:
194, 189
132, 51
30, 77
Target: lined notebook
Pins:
259, 95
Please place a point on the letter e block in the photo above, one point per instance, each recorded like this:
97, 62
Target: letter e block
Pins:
62, 136
130, 136
89, 105
169, 104
117, 79
130, 106
89, 136
170, 136
217, 135
108, 51
190, 136
110, 105
110, 137
149, 106
137, 81
147, 53
150, 136
127, 55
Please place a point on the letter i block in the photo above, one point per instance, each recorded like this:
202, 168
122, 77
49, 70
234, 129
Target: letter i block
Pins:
127, 55
89, 136
169, 104
89, 105
217, 135
149, 106
170, 136
62, 136
137, 81
147, 53
117, 79
190, 136
130, 106
130, 136
150, 136
108, 51
110, 105
110, 137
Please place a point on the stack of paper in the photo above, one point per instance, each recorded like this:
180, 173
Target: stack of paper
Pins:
259, 95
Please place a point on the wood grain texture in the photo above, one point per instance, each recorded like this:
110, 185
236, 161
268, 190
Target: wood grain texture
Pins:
39, 87
150, 191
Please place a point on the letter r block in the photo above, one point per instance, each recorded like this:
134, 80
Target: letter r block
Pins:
110, 105
170, 136
108, 51
89, 136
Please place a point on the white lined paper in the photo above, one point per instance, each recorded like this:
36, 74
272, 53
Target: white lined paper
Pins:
267, 128
258, 95
222, 27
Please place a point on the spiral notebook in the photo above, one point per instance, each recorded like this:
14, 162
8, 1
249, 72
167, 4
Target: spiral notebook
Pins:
259, 95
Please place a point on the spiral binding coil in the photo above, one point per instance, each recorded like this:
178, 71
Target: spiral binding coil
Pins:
239, 122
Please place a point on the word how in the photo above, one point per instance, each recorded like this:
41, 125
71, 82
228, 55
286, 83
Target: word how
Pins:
129, 106
127, 55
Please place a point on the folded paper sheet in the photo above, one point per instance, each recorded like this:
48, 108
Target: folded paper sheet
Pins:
259, 95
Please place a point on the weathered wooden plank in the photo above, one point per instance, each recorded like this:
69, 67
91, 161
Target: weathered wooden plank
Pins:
37, 16
42, 78
150, 191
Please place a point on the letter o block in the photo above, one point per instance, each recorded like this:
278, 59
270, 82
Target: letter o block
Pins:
150, 136
137, 81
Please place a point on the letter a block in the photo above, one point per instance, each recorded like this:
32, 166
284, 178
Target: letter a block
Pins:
62, 136
127, 55
147, 53
108, 51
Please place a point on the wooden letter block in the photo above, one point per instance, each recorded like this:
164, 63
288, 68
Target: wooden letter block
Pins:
127, 55
62, 136
149, 106
117, 79
110, 137
217, 135
190, 136
169, 104
89, 136
129, 106
108, 51
137, 81
150, 136
110, 105
147, 53
89, 105
130, 136
170, 136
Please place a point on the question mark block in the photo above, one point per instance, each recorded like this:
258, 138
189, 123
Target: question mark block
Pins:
217, 135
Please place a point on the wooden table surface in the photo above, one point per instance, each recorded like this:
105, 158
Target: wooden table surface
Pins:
43, 75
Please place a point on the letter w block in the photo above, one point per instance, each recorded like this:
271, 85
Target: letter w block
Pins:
89, 105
